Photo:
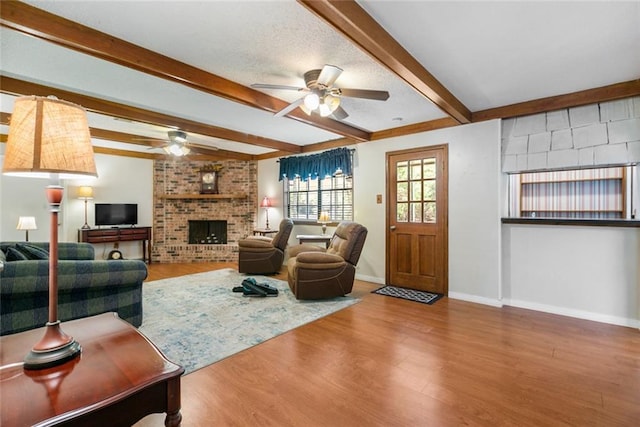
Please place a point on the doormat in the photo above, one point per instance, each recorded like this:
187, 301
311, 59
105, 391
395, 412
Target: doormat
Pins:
409, 294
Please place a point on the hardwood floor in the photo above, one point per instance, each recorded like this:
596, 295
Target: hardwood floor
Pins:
390, 362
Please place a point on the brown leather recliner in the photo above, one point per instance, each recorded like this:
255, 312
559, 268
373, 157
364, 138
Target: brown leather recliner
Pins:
316, 273
264, 255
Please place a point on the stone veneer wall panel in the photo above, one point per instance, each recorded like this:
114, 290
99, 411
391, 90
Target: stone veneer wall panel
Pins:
591, 135
171, 216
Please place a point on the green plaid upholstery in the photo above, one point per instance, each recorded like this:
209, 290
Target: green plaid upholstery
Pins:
86, 287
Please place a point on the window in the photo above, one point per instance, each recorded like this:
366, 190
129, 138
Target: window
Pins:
416, 190
307, 198
600, 193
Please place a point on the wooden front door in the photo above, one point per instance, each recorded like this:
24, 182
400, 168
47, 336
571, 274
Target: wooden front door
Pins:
417, 232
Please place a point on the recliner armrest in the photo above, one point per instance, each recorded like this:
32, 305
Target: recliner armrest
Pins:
318, 261
254, 242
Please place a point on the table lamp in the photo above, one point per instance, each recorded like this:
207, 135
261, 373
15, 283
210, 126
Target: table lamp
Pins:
49, 138
85, 193
266, 204
324, 219
26, 223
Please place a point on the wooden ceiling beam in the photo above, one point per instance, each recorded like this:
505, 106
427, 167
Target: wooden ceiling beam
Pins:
553, 103
72, 35
144, 141
353, 22
14, 86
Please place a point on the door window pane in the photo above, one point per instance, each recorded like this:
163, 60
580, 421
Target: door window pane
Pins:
416, 191
429, 190
416, 212
416, 169
429, 168
430, 212
403, 191
402, 212
402, 169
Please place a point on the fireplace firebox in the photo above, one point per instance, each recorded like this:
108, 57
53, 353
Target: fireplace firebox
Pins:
207, 232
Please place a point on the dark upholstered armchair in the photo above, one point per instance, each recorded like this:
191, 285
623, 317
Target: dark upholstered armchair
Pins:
264, 255
316, 273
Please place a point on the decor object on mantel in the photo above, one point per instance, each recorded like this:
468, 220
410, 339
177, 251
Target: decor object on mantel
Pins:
324, 219
85, 193
209, 179
49, 138
26, 223
266, 204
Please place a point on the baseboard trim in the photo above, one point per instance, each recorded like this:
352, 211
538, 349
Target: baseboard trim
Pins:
371, 279
562, 311
474, 298
579, 314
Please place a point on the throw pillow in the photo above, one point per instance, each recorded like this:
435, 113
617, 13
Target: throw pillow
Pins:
32, 251
14, 254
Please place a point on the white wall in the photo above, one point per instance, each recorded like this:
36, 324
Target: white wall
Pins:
474, 205
120, 180
586, 272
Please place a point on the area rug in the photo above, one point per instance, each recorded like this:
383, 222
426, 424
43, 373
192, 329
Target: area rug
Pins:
408, 294
196, 320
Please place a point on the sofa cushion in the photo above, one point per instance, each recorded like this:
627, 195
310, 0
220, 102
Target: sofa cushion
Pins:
13, 254
31, 251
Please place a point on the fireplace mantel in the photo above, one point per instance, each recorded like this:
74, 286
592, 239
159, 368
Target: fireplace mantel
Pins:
203, 196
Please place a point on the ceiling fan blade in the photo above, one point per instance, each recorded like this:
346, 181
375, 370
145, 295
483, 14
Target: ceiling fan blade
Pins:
328, 75
201, 147
283, 87
377, 95
339, 114
290, 107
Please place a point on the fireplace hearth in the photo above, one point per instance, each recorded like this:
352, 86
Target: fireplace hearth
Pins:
207, 232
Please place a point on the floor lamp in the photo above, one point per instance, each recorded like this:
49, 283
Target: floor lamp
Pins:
85, 193
49, 138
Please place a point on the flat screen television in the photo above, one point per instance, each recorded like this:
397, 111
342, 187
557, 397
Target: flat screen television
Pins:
116, 214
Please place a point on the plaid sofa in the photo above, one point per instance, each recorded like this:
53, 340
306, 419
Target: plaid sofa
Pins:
86, 287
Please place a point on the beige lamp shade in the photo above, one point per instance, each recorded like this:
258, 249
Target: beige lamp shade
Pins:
26, 223
85, 192
48, 136
324, 217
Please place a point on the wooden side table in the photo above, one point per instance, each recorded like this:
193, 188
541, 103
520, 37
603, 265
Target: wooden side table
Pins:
314, 238
264, 231
119, 378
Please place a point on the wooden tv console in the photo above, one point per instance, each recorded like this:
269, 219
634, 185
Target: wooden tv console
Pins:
120, 234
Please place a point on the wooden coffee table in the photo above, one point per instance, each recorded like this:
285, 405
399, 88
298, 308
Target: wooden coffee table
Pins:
119, 378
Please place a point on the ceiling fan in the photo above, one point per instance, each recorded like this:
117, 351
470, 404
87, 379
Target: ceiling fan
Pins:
322, 97
177, 144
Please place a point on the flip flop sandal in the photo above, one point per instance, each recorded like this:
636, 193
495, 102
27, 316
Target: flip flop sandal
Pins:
251, 290
270, 290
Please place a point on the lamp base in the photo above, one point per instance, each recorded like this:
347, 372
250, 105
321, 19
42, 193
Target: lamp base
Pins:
324, 229
85, 227
55, 348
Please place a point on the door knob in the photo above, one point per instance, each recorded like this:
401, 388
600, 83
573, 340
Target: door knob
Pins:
393, 227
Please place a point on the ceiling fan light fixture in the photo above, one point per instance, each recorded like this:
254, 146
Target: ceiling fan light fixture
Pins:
178, 136
312, 101
328, 105
177, 150
305, 109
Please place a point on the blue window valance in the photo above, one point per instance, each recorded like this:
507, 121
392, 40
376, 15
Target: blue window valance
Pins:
314, 165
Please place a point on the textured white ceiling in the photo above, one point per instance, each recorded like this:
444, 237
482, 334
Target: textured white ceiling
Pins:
488, 54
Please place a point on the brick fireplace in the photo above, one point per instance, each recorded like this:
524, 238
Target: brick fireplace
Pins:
177, 201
